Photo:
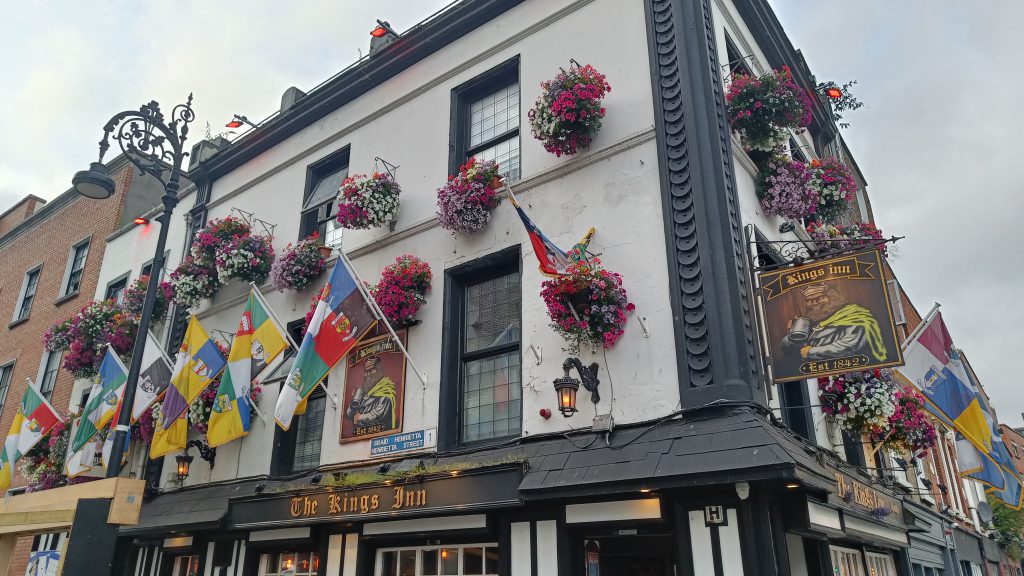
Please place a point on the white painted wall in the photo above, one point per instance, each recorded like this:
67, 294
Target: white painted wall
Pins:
614, 187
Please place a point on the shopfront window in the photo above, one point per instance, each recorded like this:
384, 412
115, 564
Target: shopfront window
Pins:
846, 562
880, 565
469, 560
290, 564
186, 566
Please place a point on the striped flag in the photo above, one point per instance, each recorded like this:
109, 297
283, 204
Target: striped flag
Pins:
341, 318
199, 362
103, 401
258, 342
34, 419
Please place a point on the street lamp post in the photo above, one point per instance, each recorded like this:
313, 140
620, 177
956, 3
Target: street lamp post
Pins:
151, 144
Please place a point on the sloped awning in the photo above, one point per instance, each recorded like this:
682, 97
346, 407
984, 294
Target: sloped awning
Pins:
190, 509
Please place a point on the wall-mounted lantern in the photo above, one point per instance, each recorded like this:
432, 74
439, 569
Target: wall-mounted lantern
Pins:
566, 386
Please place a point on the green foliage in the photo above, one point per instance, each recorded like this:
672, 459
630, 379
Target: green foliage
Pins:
1010, 525
845, 103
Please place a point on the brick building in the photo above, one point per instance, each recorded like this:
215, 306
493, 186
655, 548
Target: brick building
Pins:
52, 253
1014, 441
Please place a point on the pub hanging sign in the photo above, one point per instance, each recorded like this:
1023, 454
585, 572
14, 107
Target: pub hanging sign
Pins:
829, 317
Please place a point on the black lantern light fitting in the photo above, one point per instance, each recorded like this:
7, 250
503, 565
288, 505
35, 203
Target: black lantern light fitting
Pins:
185, 459
566, 386
94, 183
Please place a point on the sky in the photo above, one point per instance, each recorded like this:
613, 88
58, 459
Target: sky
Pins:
938, 143
937, 139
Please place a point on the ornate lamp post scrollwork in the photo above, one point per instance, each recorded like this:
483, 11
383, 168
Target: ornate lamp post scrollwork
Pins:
156, 147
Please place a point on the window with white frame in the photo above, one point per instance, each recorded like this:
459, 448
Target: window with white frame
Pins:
6, 371
76, 267
50, 368
880, 564
468, 560
846, 561
186, 566
290, 564
28, 293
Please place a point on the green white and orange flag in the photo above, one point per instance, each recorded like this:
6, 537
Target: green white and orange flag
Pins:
34, 419
258, 341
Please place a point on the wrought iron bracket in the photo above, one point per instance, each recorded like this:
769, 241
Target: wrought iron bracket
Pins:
775, 254
206, 452
391, 169
152, 145
251, 219
588, 376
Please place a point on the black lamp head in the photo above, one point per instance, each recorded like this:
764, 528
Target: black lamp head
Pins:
94, 183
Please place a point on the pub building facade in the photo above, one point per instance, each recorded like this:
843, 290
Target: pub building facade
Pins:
694, 464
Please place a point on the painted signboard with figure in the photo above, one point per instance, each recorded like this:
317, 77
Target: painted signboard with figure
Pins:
829, 317
374, 389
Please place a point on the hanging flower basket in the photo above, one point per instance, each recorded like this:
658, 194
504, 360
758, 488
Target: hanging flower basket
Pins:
193, 281
84, 337
783, 187
299, 265
763, 109
134, 296
215, 233
835, 187
246, 258
402, 290
568, 113
860, 402
910, 429
465, 202
587, 305
368, 201
862, 235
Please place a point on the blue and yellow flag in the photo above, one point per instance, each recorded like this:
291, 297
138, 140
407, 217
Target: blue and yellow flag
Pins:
258, 341
199, 362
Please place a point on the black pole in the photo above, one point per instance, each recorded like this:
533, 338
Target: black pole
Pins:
150, 144
170, 200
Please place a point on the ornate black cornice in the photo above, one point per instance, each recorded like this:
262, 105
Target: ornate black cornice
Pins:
708, 277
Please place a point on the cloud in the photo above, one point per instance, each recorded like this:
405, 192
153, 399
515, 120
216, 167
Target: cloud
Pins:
78, 65
937, 142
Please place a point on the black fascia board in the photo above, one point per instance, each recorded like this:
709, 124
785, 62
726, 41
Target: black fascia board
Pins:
773, 41
409, 49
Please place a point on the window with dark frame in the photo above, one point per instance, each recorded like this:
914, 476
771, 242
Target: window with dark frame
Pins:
319, 206
6, 371
76, 267
147, 268
49, 378
29, 294
794, 399
737, 62
482, 351
309, 432
116, 288
486, 119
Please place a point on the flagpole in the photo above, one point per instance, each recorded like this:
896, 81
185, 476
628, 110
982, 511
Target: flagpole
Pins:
920, 327
380, 317
280, 327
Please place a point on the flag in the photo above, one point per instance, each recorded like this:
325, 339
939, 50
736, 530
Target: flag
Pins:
933, 366
341, 318
33, 420
258, 342
153, 377
999, 471
553, 260
199, 361
103, 400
